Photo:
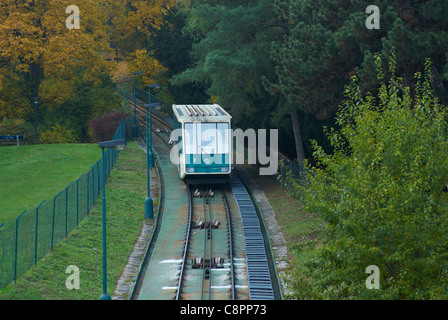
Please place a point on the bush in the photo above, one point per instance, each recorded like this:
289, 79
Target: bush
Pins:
17, 127
104, 128
57, 134
381, 195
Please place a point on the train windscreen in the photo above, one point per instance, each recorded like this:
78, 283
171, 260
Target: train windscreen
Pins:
206, 138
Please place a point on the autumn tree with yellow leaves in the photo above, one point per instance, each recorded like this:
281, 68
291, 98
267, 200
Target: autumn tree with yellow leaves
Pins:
36, 44
132, 25
71, 70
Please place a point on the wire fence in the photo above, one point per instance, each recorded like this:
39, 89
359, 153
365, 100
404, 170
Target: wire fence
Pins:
25, 240
290, 173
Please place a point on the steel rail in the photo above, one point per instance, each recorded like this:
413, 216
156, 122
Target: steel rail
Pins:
208, 236
157, 118
210, 230
187, 241
205, 249
229, 228
143, 123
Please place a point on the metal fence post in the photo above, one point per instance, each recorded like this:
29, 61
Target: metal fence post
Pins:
16, 246
99, 179
88, 192
37, 228
66, 210
92, 187
77, 203
52, 222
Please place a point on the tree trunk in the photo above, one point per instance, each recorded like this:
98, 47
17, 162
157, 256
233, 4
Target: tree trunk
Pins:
297, 136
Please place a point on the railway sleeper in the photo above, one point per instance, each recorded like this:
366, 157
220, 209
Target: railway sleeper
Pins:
199, 263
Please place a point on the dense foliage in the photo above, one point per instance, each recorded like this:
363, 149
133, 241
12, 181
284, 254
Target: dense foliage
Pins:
379, 173
272, 63
284, 64
381, 195
325, 42
231, 55
71, 70
65, 68
103, 128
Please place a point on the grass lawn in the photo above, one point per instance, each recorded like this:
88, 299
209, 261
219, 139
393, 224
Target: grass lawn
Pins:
34, 173
125, 195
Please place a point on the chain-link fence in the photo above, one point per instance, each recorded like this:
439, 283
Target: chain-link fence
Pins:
292, 175
289, 171
30, 236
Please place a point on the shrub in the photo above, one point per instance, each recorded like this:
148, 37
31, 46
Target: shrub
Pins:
381, 195
57, 134
17, 127
103, 128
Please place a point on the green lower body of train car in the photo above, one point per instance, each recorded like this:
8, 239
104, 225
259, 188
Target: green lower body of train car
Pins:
204, 163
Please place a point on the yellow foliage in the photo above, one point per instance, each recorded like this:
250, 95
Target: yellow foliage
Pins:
146, 13
56, 90
122, 74
20, 41
57, 134
34, 32
19, 110
34, 36
141, 60
13, 104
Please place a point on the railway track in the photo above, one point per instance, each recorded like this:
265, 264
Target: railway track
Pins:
207, 272
161, 128
206, 267
212, 261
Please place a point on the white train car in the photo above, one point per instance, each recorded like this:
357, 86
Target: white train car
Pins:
205, 143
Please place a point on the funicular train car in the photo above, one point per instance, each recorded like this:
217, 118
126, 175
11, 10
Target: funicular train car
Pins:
204, 143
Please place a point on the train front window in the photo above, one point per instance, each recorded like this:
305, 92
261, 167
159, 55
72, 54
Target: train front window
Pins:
206, 138
223, 138
190, 138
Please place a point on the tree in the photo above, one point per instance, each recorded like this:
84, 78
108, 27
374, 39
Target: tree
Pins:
172, 49
231, 55
381, 194
131, 22
145, 61
326, 42
37, 44
42, 57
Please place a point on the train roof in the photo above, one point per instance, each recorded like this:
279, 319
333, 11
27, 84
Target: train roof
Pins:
201, 113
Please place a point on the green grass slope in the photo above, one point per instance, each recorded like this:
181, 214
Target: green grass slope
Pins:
34, 173
125, 196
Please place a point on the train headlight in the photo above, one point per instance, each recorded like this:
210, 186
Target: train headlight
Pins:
190, 170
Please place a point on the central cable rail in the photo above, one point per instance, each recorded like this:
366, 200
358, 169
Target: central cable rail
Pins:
206, 269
